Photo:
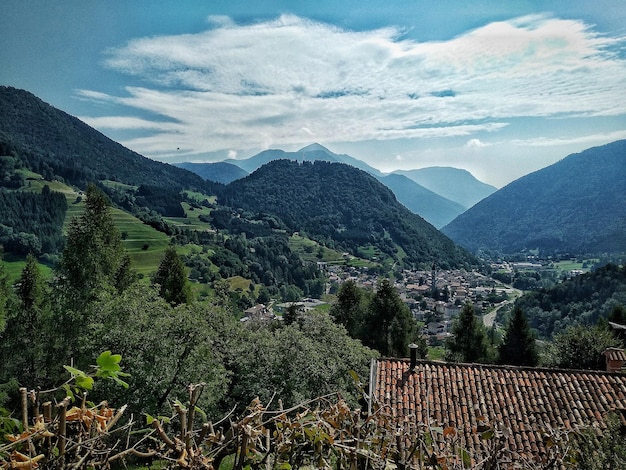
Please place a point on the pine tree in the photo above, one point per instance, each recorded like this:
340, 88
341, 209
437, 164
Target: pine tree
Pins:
349, 308
22, 341
93, 253
171, 279
518, 347
469, 341
389, 325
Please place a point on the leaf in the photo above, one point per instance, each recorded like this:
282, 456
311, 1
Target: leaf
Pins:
487, 434
284, 466
75, 372
109, 362
85, 382
449, 431
149, 419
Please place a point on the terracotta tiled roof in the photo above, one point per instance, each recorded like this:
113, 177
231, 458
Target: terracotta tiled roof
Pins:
522, 402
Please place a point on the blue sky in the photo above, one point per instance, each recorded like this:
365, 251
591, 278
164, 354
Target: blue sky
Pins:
500, 88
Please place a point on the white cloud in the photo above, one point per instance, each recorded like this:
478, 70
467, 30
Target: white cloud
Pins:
476, 143
282, 81
232, 154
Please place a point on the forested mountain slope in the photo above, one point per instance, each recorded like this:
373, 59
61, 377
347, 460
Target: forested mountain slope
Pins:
575, 205
340, 205
580, 300
429, 204
55, 144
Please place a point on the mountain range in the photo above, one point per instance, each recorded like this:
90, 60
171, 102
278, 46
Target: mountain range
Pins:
38, 137
574, 206
421, 191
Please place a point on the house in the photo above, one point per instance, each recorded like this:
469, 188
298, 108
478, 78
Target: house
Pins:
521, 405
258, 312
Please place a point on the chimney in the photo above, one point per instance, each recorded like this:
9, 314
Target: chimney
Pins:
615, 359
413, 349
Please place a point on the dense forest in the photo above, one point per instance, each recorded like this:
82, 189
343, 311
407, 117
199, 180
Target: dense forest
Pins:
581, 300
344, 208
31, 222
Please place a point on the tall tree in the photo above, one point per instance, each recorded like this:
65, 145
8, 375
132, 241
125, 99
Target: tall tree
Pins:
93, 253
350, 307
22, 341
171, 278
469, 341
389, 325
518, 347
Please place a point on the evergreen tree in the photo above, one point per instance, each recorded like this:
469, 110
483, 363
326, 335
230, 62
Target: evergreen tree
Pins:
349, 308
389, 326
22, 341
93, 253
519, 347
172, 278
469, 340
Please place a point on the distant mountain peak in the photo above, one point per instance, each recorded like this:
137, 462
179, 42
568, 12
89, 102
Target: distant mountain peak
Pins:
315, 147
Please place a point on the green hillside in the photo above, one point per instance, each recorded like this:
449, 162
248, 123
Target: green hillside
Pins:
573, 206
343, 208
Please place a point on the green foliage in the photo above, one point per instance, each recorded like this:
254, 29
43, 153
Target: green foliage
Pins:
580, 300
469, 342
518, 346
171, 279
22, 342
340, 206
309, 357
579, 347
604, 451
31, 222
381, 320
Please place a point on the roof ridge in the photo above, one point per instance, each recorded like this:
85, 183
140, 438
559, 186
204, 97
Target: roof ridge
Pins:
503, 366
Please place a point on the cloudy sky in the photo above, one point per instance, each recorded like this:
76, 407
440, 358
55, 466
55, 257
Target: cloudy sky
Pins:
500, 88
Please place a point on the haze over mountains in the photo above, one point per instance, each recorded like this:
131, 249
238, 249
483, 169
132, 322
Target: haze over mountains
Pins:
447, 192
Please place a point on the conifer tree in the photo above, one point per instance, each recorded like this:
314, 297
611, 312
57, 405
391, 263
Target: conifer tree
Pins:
389, 326
469, 341
22, 341
93, 253
171, 279
518, 347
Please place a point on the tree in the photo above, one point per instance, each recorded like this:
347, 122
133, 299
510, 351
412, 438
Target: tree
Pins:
22, 353
93, 253
389, 326
350, 307
171, 278
519, 347
93, 263
5, 293
579, 347
469, 341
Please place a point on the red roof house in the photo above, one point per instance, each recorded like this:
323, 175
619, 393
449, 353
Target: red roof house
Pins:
524, 407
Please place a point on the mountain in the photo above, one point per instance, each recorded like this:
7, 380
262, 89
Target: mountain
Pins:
575, 205
454, 184
310, 153
436, 209
337, 204
55, 144
220, 172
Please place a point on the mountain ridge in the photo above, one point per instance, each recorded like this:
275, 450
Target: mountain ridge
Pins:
574, 205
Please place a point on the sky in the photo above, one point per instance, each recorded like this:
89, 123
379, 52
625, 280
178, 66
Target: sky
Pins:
499, 88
